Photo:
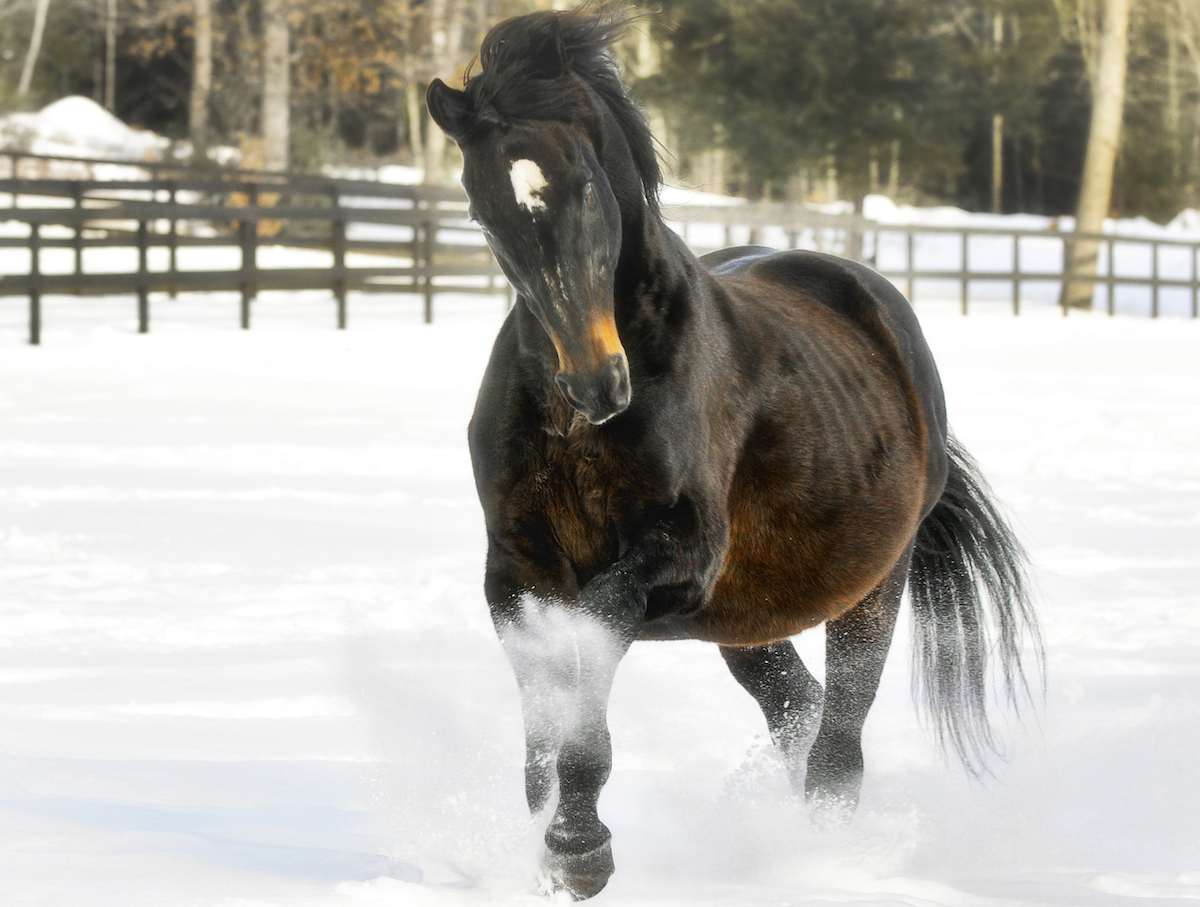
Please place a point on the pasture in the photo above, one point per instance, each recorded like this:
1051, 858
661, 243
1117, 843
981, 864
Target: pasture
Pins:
246, 658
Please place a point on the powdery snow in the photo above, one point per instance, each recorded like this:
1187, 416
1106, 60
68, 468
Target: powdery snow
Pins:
76, 126
247, 660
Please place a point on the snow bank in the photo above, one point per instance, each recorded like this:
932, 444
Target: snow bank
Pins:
884, 210
79, 127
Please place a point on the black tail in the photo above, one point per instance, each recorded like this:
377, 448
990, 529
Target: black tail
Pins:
965, 558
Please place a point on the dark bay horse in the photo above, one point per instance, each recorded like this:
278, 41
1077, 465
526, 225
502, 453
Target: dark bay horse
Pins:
732, 449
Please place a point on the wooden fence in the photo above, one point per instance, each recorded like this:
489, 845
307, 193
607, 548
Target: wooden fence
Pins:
893, 250
380, 237
406, 239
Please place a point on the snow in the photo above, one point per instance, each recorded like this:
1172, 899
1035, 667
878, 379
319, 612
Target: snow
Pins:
247, 660
75, 126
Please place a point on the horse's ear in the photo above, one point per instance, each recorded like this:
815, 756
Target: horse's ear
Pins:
548, 53
450, 108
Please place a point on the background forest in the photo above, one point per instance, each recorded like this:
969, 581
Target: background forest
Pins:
984, 104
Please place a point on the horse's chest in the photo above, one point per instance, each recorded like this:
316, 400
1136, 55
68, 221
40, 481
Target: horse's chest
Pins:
578, 488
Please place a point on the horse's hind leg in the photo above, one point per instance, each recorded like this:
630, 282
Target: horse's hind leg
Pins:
789, 696
856, 646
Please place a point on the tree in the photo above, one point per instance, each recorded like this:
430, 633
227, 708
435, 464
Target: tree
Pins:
824, 87
352, 61
441, 29
276, 80
35, 46
202, 74
1095, 193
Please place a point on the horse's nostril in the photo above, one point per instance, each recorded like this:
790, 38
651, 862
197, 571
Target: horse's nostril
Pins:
599, 395
564, 385
621, 391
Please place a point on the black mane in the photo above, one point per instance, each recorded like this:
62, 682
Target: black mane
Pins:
523, 77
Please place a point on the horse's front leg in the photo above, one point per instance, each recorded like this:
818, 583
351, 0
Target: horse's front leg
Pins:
565, 653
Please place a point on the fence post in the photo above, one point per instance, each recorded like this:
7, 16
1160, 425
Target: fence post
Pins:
855, 243
172, 241
1195, 279
964, 279
1016, 274
1067, 259
912, 273
1154, 280
35, 290
430, 238
143, 295
1111, 301
248, 230
78, 238
338, 229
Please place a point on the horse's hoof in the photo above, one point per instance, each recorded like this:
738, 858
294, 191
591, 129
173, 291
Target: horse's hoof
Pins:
830, 811
578, 876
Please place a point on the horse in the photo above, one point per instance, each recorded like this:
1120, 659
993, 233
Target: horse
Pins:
735, 448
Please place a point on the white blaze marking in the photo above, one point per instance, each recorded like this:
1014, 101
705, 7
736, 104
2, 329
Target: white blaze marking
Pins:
528, 182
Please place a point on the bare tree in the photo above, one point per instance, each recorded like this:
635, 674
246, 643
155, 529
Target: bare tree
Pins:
202, 74
276, 94
110, 56
35, 46
444, 25
1095, 191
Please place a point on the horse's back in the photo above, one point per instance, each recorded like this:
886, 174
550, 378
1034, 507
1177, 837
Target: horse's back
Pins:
865, 299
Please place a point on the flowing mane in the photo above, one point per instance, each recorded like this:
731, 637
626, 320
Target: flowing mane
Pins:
522, 78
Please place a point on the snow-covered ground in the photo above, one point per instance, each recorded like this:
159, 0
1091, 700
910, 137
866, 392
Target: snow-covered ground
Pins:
245, 658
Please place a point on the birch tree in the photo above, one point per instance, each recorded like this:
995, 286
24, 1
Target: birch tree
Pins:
35, 46
444, 21
276, 92
1095, 191
202, 75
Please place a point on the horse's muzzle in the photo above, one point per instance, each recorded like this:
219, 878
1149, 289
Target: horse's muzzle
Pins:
599, 395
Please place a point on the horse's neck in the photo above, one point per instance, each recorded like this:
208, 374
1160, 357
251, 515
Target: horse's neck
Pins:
658, 277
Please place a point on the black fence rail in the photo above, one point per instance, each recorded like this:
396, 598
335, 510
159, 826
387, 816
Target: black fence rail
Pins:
381, 237
377, 237
1034, 256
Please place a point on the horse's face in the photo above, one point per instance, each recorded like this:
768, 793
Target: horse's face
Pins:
554, 225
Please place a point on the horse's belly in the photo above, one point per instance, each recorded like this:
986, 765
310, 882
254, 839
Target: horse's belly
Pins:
790, 569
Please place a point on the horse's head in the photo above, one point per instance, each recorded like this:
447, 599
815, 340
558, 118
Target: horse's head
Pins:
549, 213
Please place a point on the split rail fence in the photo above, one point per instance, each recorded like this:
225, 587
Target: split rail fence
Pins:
399, 239
377, 237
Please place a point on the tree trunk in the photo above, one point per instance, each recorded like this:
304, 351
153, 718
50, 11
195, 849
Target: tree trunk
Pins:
276, 85
202, 65
35, 47
110, 57
997, 162
997, 127
415, 115
446, 20
1095, 191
